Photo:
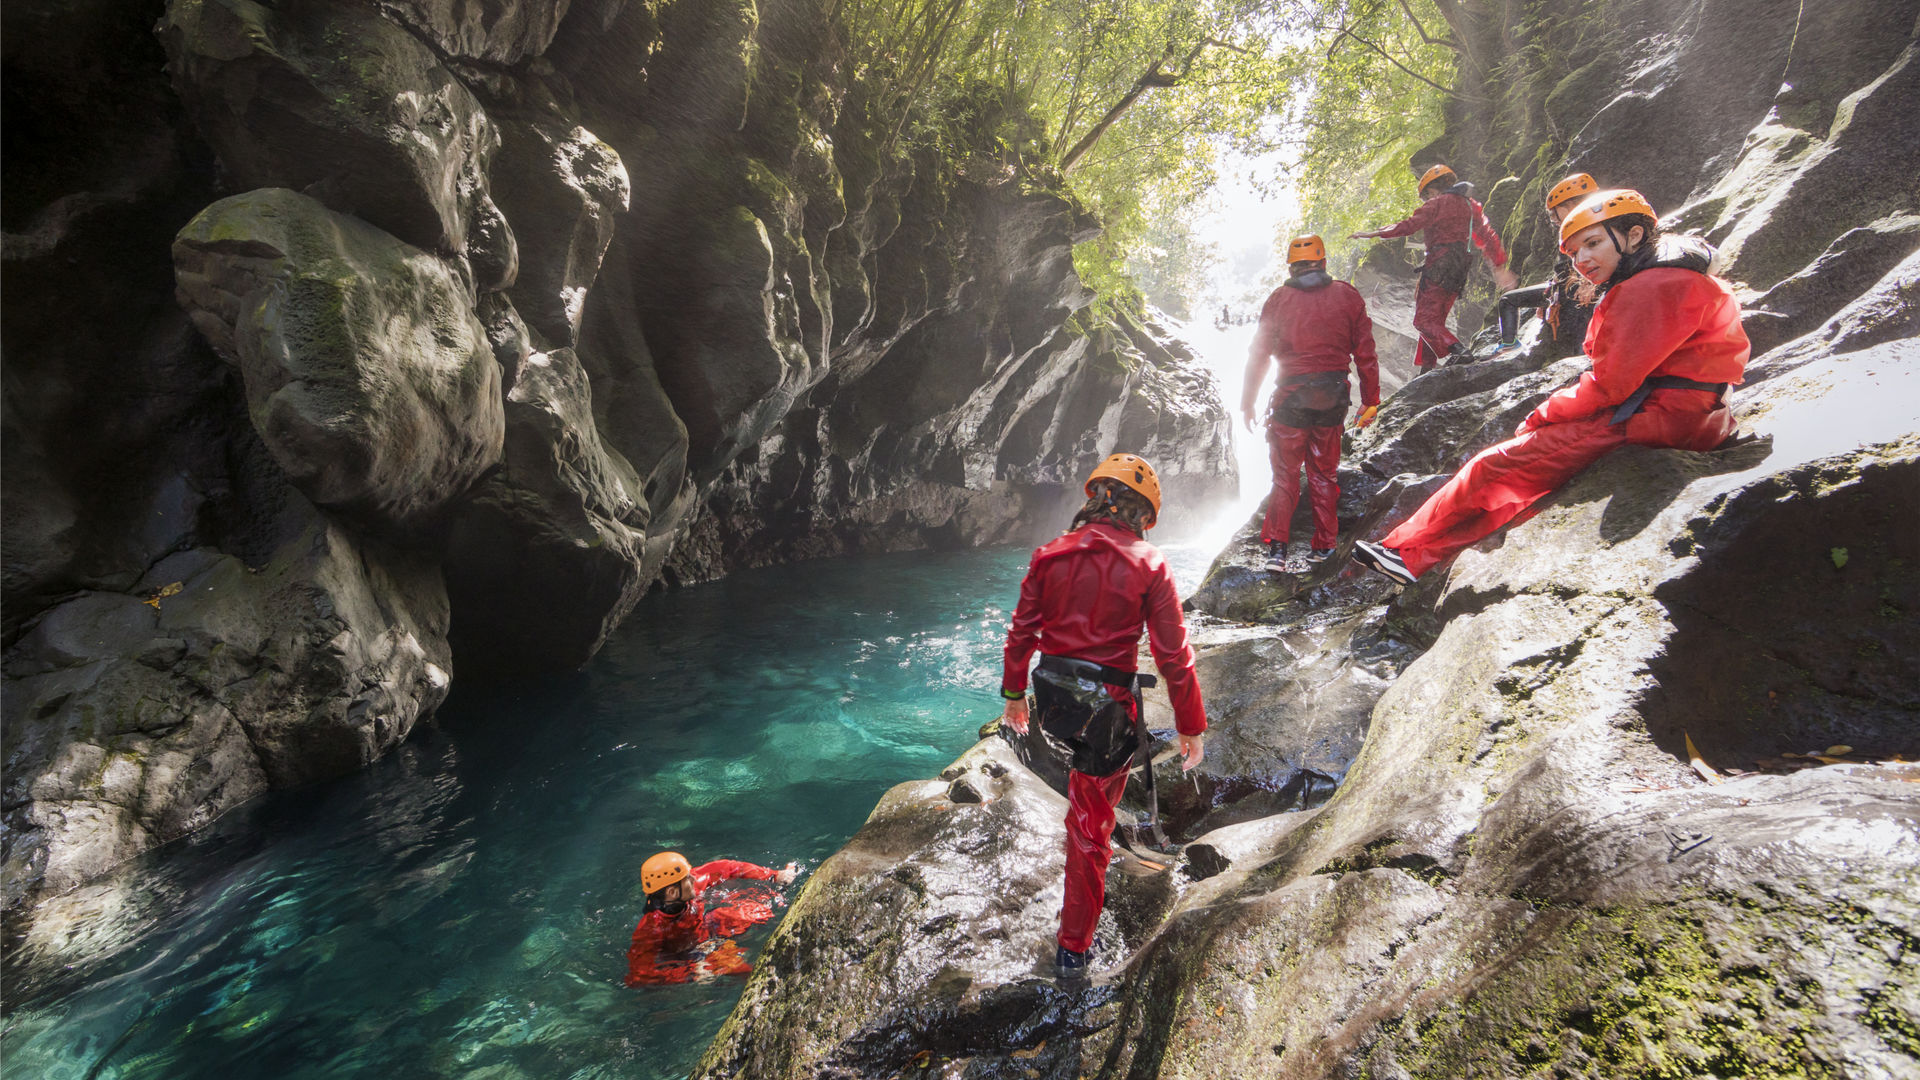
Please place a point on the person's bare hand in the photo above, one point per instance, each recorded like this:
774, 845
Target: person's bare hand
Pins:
1362, 235
1192, 749
787, 873
1504, 277
1016, 715
1247, 415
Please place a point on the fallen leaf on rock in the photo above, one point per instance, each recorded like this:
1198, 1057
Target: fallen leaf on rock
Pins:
1025, 1055
1221, 1011
1839, 557
1699, 765
1839, 750
920, 1059
163, 592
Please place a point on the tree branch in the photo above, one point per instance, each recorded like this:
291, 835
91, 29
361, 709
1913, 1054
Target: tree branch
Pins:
1153, 77
1422, 31
1346, 32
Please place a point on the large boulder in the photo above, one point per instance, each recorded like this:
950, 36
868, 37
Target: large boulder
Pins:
133, 718
562, 188
334, 100
548, 554
367, 373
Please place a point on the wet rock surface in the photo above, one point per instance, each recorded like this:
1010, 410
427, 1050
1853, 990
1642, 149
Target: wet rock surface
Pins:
1634, 791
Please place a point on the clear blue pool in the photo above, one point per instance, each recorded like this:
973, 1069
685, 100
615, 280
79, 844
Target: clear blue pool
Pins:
463, 907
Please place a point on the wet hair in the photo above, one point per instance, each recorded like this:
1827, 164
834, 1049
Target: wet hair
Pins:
1116, 504
1631, 262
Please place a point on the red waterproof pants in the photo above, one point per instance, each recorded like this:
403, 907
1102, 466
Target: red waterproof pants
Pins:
1319, 449
1505, 479
1090, 803
1431, 305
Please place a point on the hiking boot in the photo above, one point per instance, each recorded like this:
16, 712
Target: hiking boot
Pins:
1319, 555
1277, 557
1070, 966
1384, 561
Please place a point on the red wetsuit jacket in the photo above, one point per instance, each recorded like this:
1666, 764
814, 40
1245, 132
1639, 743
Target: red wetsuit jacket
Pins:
1086, 595
1316, 330
1451, 218
1660, 321
693, 945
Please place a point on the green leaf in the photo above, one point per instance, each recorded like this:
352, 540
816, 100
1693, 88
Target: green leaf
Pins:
1839, 557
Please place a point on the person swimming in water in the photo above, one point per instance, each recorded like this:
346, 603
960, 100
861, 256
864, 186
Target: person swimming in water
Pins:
680, 938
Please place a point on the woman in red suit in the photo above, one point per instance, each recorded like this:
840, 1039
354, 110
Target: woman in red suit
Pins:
1086, 596
1666, 345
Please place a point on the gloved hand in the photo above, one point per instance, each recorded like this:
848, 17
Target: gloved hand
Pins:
1366, 416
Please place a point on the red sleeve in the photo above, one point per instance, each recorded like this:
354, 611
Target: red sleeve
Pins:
1023, 636
1484, 236
725, 869
1636, 328
1167, 640
1365, 361
1419, 219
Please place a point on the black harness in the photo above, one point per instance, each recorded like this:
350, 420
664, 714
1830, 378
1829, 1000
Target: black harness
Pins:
1638, 399
1084, 679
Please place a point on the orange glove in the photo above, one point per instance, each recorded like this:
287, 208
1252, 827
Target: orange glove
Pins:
1366, 416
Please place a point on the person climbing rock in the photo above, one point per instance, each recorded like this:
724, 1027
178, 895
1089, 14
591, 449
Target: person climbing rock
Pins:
1082, 604
1318, 328
1566, 317
1449, 217
680, 939
1666, 345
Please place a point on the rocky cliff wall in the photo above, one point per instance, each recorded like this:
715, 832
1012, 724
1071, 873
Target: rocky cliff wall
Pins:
353, 345
1628, 790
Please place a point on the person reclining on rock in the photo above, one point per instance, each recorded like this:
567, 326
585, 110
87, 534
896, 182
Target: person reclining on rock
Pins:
1317, 327
680, 939
1666, 344
1557, 298
1449, 216
1082, 604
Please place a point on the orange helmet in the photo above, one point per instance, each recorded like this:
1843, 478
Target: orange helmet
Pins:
1433, 176
1133, 471
662, 870
1602, 206
1305, 249
1571, 188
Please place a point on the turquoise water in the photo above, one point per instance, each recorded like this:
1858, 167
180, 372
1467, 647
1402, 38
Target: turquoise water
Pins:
462, 908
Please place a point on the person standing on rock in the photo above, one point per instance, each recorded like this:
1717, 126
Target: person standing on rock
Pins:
1317, 327
1083, 603
1666, 344
680, 939
1566, 316
1449, 217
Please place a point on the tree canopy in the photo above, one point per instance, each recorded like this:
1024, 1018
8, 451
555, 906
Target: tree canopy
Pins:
1131, 103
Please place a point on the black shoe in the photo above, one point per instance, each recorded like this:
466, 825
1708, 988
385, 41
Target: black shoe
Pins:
1384, 561
1319, 555
1070, 966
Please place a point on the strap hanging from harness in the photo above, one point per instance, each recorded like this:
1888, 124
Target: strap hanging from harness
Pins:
1134, 682
1638, 398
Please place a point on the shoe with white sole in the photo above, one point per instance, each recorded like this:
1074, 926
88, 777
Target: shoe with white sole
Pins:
1319, 555
1277, 562
1384, 561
